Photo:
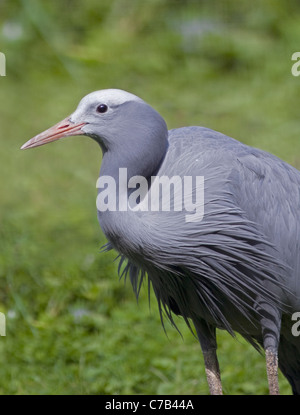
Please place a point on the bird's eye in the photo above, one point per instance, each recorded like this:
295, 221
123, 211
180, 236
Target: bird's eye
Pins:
102, 108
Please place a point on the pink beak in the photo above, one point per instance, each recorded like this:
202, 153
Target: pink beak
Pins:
64, 128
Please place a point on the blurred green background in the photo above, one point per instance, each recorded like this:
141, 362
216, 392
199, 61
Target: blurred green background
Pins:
72, 327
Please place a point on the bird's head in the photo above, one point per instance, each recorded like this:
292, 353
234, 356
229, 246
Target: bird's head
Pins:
116, 119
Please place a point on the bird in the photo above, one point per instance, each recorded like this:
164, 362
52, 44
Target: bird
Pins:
230, 263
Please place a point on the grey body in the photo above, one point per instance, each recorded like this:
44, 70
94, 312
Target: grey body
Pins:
241, 261
237, 269
252, 203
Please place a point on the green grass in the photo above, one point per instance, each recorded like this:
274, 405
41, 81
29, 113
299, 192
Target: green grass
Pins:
72, 327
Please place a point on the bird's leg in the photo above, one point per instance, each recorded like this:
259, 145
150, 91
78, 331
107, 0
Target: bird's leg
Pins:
270, 323
272, 370
212, 371
207, 338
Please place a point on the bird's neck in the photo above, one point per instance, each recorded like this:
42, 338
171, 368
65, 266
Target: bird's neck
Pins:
118, 221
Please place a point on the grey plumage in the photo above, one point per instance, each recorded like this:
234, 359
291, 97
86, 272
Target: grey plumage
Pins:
238, 268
